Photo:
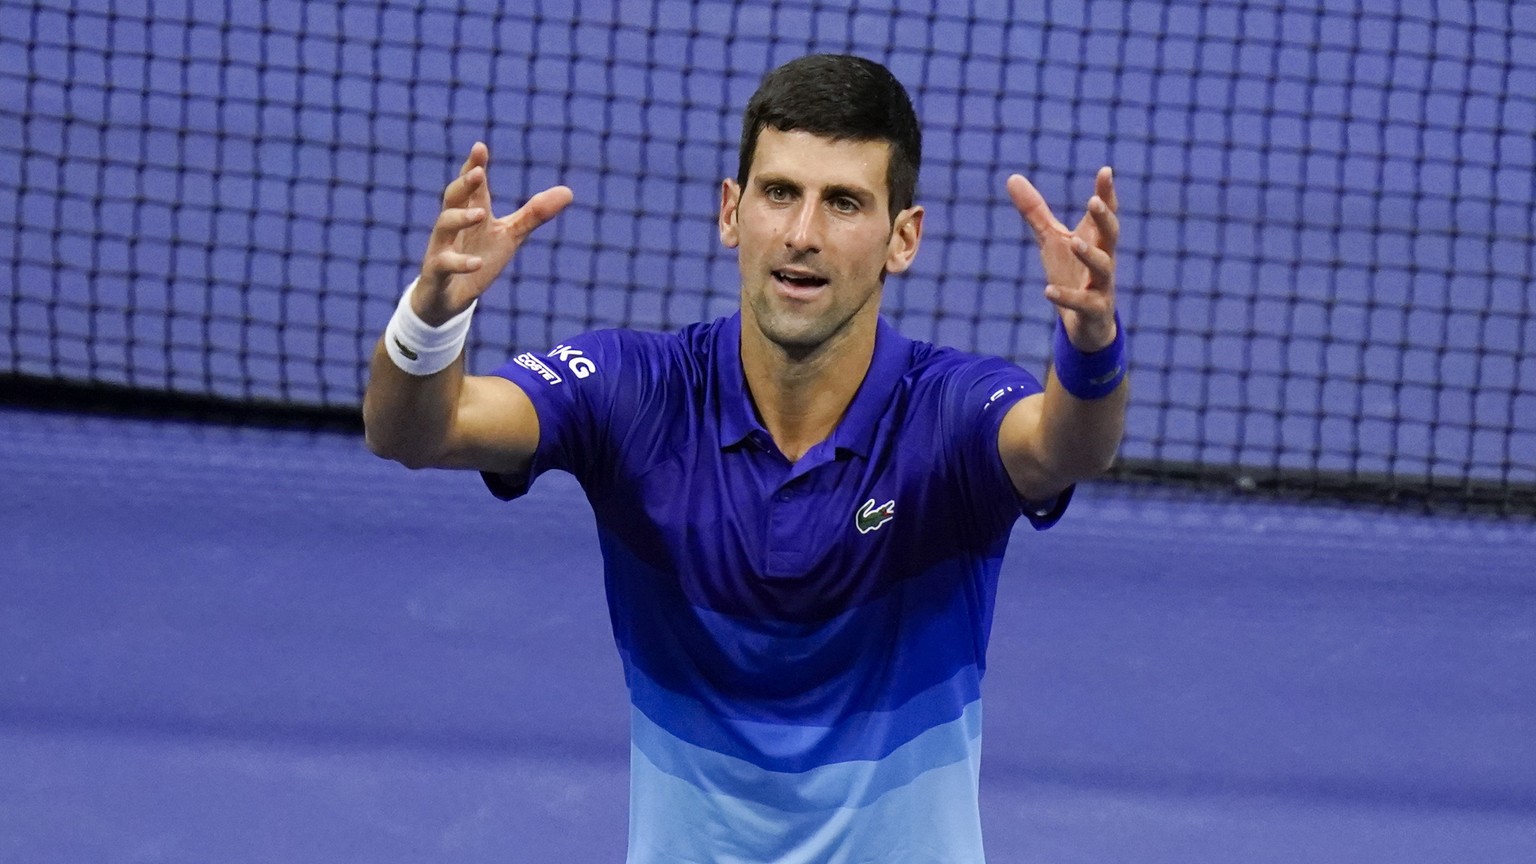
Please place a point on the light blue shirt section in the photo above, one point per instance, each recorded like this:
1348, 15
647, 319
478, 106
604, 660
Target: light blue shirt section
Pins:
887, 811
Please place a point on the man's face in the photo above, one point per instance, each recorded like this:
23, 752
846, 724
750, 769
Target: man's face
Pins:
814, 236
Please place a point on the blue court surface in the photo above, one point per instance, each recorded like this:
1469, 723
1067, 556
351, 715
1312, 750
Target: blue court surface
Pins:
244, 645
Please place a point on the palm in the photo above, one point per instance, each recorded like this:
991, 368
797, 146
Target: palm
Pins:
1062, 266
470, 246
493, 244
1079, 263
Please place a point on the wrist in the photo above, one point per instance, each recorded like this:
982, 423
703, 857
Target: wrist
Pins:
419, 348
1092, 336
1090, 374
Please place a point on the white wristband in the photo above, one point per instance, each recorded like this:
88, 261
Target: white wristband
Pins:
419, 348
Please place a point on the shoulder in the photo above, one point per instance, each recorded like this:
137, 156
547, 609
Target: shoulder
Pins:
622, 353
945, 371
598, 392
693, 341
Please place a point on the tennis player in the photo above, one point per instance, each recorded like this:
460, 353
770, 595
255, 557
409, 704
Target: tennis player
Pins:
802, 512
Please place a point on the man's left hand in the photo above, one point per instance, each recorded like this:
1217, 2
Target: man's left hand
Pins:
1079, 262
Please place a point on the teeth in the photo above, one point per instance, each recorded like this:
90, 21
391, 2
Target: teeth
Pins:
797, 279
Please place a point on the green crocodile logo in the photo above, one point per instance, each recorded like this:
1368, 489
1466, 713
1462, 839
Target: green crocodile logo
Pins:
869, 517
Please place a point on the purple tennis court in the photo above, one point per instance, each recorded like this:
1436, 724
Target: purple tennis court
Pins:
227, 644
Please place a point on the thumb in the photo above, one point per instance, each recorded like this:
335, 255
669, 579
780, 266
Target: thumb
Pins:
540, 209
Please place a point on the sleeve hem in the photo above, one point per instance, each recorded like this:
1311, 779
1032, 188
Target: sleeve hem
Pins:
507, 487
1042, 515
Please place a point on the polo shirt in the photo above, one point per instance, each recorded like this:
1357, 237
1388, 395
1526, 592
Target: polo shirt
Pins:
803, 642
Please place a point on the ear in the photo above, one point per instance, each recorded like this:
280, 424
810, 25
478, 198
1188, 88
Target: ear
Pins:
730, 200
906, 236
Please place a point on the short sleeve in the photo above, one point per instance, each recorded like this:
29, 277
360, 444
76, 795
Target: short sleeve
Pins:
980, 396
574, 388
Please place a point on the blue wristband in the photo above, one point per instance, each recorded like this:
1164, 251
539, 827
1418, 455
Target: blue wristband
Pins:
1090, 376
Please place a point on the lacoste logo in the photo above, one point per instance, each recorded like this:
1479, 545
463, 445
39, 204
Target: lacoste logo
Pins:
409, 354
537, 366
870, 518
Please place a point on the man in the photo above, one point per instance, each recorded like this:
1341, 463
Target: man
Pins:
802, 513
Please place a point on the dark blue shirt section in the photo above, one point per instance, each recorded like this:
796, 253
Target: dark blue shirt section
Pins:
739, 577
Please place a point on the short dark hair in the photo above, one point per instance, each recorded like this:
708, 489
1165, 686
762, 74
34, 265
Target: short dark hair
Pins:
844, 98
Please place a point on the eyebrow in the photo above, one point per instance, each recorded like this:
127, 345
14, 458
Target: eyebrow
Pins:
836, 190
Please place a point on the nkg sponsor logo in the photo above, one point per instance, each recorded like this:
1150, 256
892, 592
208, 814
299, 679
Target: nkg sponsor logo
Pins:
574, 360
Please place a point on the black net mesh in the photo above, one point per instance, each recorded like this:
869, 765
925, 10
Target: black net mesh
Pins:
1326, 269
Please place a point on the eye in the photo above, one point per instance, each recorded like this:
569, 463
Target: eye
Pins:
778, 194
844, 204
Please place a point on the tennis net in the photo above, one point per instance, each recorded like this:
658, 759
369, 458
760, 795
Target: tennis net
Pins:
1326, 268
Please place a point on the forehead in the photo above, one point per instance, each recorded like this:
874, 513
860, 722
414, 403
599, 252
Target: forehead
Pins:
815, 161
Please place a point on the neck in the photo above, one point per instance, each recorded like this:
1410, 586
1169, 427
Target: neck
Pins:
801, 397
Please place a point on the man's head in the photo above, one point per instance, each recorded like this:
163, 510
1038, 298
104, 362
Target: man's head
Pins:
822, 211
842, 98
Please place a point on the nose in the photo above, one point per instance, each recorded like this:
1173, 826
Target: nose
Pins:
803, 234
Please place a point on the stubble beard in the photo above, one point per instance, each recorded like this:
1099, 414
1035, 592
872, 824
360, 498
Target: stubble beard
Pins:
803, 333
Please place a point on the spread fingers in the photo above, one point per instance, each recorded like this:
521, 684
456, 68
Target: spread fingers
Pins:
453, 220
1106, 223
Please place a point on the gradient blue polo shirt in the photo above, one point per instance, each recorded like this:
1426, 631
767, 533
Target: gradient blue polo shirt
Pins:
803, 642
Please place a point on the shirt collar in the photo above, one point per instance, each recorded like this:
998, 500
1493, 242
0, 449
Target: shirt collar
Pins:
855, 432
738, 418
891, 360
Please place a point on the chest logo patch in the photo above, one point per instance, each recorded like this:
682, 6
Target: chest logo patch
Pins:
869, 517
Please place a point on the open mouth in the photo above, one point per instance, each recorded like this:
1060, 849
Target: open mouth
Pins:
799, 280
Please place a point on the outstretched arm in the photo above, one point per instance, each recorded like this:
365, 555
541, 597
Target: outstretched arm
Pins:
1054, 439
444, 418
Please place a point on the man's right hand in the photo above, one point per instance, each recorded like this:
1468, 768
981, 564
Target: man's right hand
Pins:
450, 419
470, 246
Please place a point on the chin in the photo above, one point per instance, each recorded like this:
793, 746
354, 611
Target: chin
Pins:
799, 334
799, 328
